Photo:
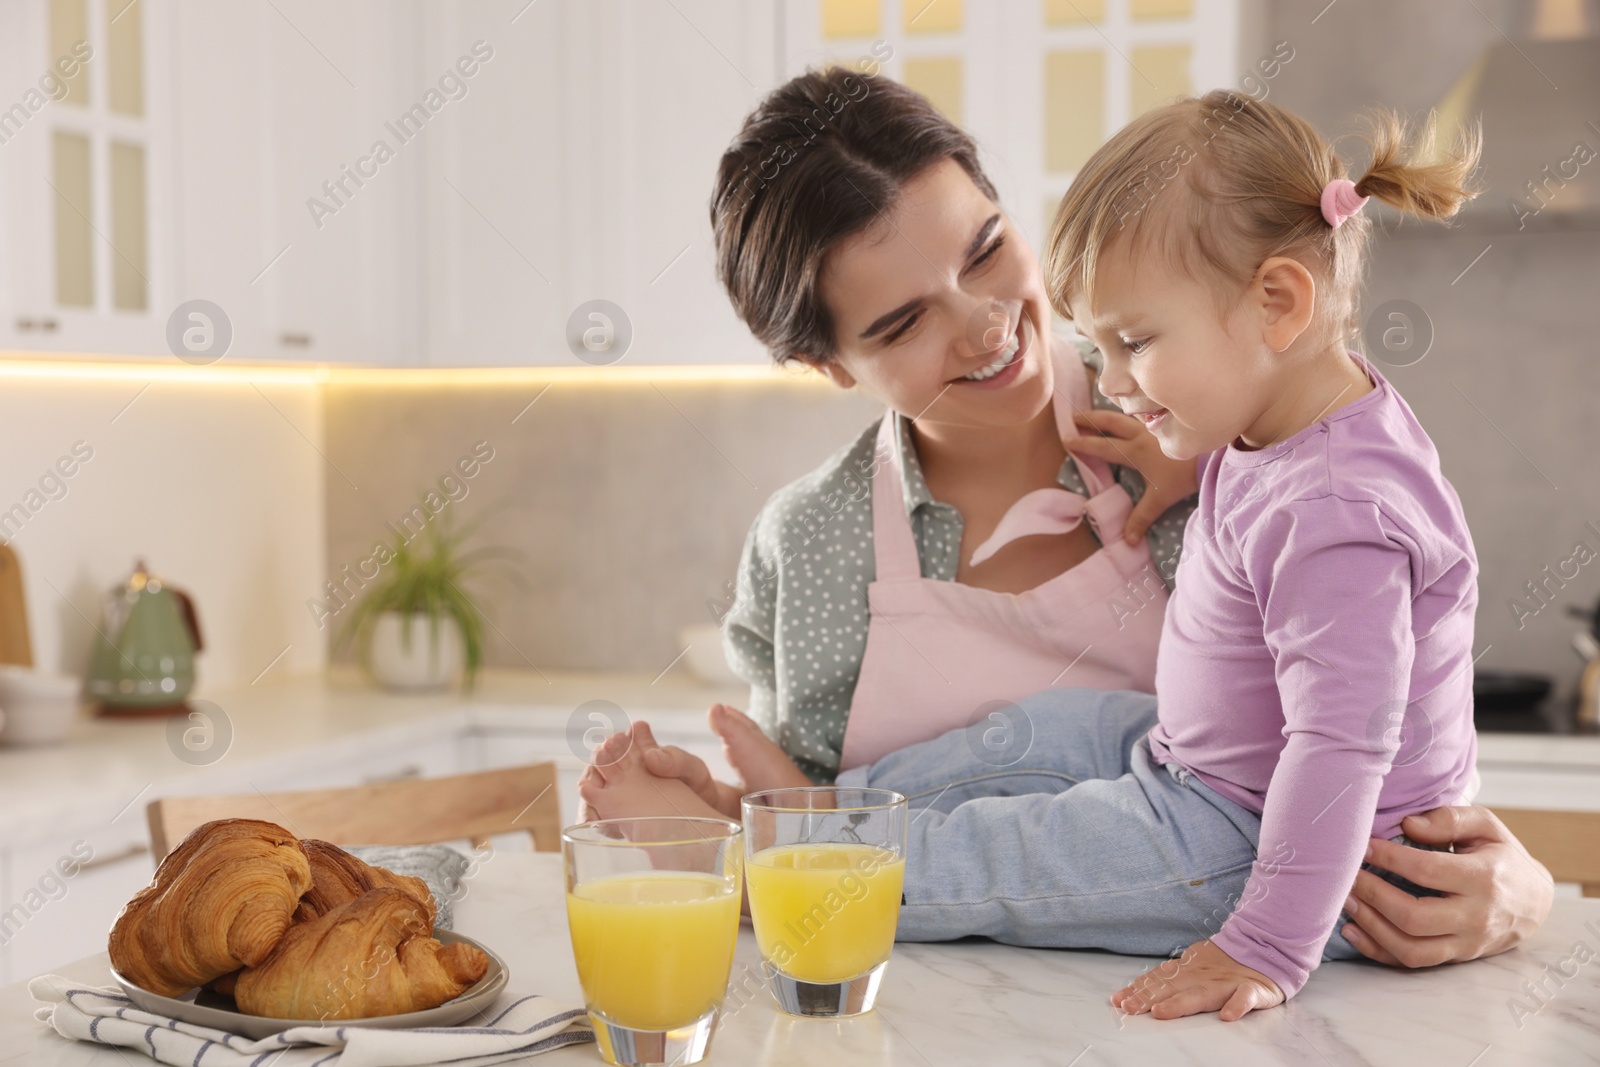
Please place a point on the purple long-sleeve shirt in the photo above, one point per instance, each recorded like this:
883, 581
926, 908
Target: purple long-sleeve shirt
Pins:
1316, 661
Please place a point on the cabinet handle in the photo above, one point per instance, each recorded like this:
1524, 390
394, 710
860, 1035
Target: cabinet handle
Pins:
116, 857
48, 325
24, 325
295, 340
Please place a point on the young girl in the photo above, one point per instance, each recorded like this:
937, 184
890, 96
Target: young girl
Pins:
1314, 684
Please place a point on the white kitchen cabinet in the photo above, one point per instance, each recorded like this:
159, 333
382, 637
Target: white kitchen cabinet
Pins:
278, 109
574, 162
121, 204
222, 166
580, 168
433, 753
85, 175
674, 83
1515, 785
562, 153
492, 190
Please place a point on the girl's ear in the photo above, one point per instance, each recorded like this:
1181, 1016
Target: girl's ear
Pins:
1286, 295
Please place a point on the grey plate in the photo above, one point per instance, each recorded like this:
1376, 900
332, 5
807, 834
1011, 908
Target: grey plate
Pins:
217, 1012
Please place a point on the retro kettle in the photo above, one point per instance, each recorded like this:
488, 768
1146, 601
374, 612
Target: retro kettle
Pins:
143, 663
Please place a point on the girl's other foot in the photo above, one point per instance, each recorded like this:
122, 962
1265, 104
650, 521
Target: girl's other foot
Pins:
758, 759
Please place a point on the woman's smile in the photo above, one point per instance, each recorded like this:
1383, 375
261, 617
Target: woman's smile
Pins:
1002, 368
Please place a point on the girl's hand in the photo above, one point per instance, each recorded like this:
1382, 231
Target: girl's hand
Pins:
1125, 441
1495, 894
1204, 978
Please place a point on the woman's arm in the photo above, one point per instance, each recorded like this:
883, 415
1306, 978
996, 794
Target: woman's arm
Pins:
749, 629
1495, 893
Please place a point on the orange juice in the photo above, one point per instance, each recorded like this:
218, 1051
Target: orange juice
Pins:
825, 912
654, 949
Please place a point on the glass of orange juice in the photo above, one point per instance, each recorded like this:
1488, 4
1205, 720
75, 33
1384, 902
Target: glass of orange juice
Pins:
825, 865
653, 907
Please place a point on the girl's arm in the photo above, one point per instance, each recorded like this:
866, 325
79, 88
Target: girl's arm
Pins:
1335, 585
1334, 588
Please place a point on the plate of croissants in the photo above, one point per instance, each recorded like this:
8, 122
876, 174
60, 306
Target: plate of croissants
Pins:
252, 930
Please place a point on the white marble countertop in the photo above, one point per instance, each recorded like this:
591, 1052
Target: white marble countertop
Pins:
976, 1002
106, 763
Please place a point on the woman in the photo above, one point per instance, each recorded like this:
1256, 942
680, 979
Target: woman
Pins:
939, 569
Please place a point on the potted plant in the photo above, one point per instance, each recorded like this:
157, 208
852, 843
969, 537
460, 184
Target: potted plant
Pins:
417, 627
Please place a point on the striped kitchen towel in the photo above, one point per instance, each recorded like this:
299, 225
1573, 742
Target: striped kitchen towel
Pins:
518, 1027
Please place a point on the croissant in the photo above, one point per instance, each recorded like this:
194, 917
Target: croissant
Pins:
221, 900
370, 956
337, 878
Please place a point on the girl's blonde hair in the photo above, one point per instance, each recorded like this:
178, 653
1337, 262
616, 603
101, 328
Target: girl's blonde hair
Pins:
1220, 183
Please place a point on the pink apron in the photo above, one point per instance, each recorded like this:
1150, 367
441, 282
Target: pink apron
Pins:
939, 654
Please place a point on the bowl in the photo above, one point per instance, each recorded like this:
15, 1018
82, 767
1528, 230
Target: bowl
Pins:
39, 707
704, 658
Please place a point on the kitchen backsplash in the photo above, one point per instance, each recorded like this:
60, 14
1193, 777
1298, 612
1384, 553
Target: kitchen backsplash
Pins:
629, 502
217, 485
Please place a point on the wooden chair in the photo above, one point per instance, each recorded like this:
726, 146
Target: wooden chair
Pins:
1567, 842
417, 811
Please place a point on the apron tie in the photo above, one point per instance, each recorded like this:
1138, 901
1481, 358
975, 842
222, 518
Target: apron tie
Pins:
1043, 511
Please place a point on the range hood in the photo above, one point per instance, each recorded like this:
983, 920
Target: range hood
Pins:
1537, 92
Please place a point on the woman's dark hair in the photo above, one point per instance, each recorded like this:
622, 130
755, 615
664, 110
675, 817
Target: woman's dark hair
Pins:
822, 157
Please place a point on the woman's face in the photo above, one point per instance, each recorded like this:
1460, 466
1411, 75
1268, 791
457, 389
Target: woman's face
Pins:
939, 310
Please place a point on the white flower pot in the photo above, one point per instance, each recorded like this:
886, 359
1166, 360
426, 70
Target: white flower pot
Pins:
431, 659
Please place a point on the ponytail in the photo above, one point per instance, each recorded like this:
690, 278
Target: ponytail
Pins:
1421, 179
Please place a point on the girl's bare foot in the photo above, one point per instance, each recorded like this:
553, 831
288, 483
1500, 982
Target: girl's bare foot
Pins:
670, 761
618, 785
757, 757
609, 750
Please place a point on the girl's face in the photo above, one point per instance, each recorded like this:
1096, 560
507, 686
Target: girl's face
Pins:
939, 309
1198, 382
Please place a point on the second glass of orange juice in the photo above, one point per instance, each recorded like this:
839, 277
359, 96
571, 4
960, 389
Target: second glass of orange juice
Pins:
825, 867
653, 907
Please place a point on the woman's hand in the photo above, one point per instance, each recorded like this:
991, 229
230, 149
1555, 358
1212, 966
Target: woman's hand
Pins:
1495, 893
1204, 978
1123, 439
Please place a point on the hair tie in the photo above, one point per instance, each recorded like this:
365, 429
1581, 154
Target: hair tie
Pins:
1340, 200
